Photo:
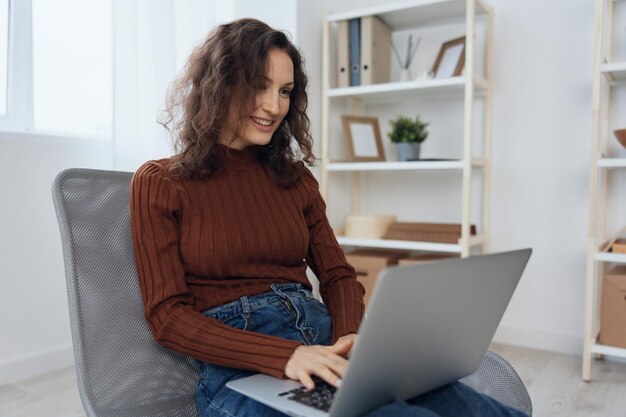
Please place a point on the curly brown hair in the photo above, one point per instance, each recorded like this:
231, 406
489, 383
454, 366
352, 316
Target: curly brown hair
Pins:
230, 65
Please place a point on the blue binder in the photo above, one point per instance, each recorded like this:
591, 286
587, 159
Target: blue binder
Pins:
354, 44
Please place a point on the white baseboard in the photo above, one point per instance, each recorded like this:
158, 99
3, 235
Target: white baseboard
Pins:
539, 339
23, 367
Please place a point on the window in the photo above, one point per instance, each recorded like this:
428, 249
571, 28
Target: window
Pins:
73, 67
56, 67
4, 54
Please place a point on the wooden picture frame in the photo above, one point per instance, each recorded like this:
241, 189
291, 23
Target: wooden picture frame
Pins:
451, 59
363, 138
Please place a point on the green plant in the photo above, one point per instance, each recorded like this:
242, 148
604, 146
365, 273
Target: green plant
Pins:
404, 129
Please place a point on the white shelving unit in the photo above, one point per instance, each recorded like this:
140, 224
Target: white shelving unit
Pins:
607, 76
469, 86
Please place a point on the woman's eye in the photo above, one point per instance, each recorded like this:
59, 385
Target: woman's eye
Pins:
285, 92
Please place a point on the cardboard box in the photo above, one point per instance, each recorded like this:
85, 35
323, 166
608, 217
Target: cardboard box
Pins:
426, 257
369, 263
613, 308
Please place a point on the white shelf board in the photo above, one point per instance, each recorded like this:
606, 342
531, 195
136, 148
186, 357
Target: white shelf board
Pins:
615, 71
409, 14
610, 257
612, 163
396, 166
406, 244
400, 90
608, 350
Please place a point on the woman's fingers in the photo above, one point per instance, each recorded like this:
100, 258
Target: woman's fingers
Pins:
305, 379
317, 360
342, 347
329, 376
350, 337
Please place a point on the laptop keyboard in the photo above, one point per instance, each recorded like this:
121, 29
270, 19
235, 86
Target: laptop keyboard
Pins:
320, 397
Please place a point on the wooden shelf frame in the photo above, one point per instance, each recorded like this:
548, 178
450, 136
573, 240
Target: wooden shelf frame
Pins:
606, 73
402, 16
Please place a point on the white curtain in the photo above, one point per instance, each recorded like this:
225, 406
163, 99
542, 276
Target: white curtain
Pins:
152, 40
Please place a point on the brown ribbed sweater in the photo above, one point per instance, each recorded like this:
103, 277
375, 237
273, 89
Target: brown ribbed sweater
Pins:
201, 243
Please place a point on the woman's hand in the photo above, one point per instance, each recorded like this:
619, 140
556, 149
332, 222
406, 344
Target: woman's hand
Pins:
327, 362
349, 337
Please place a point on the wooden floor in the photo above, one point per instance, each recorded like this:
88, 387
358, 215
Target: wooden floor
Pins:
553, 381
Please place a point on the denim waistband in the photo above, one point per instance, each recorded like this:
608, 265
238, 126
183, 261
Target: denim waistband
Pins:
246, 304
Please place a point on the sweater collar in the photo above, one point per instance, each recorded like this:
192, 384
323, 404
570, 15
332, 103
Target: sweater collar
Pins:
237, 158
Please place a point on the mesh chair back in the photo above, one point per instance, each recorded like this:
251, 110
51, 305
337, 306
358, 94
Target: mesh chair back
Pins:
497, 378
122, 371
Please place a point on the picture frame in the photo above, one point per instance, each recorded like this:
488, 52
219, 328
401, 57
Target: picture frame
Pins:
363, 138
450, 59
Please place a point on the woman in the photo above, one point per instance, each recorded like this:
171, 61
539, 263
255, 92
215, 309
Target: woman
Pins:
224, 231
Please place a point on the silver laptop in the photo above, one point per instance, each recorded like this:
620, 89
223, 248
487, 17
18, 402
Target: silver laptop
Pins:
426, 326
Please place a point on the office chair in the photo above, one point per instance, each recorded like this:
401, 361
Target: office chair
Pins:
121, 370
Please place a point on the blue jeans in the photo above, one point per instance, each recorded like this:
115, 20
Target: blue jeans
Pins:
290, 311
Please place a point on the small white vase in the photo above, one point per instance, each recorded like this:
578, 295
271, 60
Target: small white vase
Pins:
405, 75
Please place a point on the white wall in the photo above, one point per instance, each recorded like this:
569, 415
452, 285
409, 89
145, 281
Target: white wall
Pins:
542, 142
33, 307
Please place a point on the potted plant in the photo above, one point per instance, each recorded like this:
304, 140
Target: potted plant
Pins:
408, 135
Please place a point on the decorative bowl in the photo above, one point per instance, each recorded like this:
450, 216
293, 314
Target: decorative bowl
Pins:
621, 136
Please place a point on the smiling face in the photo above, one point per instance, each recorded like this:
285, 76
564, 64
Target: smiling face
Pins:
271, 105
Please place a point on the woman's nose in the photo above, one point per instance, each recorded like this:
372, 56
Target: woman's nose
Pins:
271, 103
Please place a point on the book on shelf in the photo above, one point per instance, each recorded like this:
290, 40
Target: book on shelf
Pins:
354, 47
343, 61
426, 232
375, 51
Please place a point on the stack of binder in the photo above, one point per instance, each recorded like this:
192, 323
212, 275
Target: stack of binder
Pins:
364, 48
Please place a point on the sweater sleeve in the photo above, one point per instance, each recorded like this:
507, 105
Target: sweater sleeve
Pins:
340, 290
155, 206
